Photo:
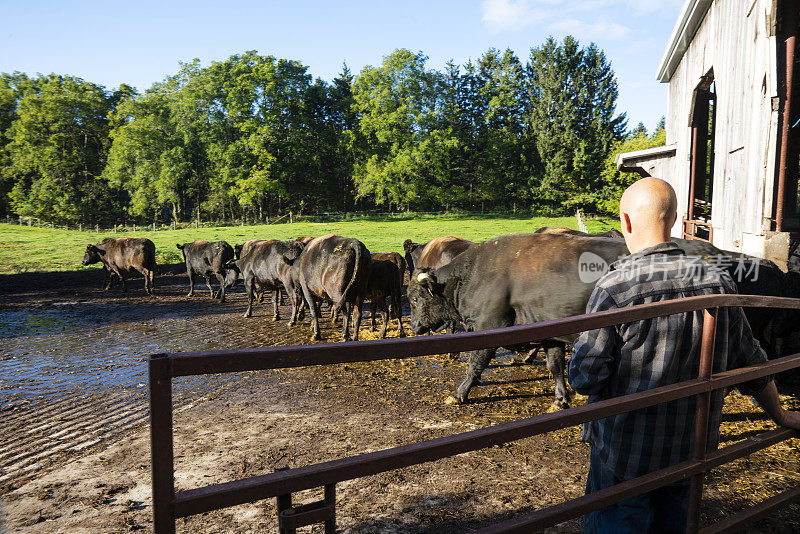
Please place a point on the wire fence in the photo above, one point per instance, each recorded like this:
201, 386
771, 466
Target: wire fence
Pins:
287, 218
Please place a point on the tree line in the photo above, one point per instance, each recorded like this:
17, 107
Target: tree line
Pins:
255, 136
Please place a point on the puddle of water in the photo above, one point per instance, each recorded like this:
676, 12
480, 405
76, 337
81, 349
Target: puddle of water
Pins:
76, 349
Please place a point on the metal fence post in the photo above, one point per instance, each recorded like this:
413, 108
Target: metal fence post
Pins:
161, 444
701, 417
330, 500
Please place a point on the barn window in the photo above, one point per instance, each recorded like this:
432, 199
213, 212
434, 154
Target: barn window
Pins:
697, 224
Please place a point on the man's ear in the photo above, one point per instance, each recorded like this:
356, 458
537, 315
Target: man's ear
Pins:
625, 222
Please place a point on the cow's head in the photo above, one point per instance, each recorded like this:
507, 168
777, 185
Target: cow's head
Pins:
409, 247
233, 273
291, 250
92, 254
430, 309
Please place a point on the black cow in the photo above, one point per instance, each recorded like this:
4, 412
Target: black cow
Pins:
385, 282
393, 257
266, 266
121, 254
244, 249
333, 269
510, 280
207, 259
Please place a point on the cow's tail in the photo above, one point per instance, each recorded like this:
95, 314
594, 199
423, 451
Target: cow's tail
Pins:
356, 270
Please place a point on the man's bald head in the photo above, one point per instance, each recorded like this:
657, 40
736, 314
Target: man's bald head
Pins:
648, 209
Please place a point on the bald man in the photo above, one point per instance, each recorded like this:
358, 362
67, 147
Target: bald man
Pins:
620, 360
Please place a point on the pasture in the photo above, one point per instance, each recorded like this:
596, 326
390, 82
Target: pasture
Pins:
24, 248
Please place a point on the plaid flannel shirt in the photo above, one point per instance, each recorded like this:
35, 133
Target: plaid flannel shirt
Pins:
641, 355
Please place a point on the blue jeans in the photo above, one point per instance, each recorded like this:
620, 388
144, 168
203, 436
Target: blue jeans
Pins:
661, 510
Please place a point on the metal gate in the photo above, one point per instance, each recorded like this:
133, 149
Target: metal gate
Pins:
168, 505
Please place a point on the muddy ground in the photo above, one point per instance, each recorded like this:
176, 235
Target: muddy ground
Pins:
75, 451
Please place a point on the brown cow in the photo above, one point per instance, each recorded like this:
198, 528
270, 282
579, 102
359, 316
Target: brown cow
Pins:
120, 254
440, 251
385, 281
613, 233
304, 240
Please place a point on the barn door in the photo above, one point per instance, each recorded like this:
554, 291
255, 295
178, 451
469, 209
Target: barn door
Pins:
697, 224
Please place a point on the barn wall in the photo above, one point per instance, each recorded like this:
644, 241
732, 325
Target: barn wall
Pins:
734, 40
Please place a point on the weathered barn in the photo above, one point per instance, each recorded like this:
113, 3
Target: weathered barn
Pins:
732, 125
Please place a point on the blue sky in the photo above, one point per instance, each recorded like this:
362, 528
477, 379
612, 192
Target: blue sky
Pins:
141, 42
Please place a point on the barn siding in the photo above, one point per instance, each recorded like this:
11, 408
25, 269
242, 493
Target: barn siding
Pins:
734, 40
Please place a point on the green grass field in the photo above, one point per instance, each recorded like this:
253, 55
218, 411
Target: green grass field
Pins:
24, 248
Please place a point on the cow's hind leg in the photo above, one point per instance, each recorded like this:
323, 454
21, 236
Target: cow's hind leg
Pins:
147, 280
478, 361
121, 279
221, 278
314, 311
346, 309
395, 308
210, 289
357, 317
276, 316
248, 286
191, 281
556, 365
385, 316
373, 308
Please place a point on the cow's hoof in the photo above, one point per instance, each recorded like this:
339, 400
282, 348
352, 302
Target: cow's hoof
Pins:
190, 295
558, 406
451, 399
247, 315
276, 318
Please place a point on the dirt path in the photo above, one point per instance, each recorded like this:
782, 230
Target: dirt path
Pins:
73, 380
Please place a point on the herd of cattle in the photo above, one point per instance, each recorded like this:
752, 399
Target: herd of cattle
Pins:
454, 284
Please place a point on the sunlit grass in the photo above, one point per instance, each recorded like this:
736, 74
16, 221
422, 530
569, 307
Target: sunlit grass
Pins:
24, 248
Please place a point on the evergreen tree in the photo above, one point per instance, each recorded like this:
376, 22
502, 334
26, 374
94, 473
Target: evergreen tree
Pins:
573, 94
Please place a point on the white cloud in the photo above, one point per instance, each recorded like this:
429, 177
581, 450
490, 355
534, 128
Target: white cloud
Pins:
588, 19
500, 15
